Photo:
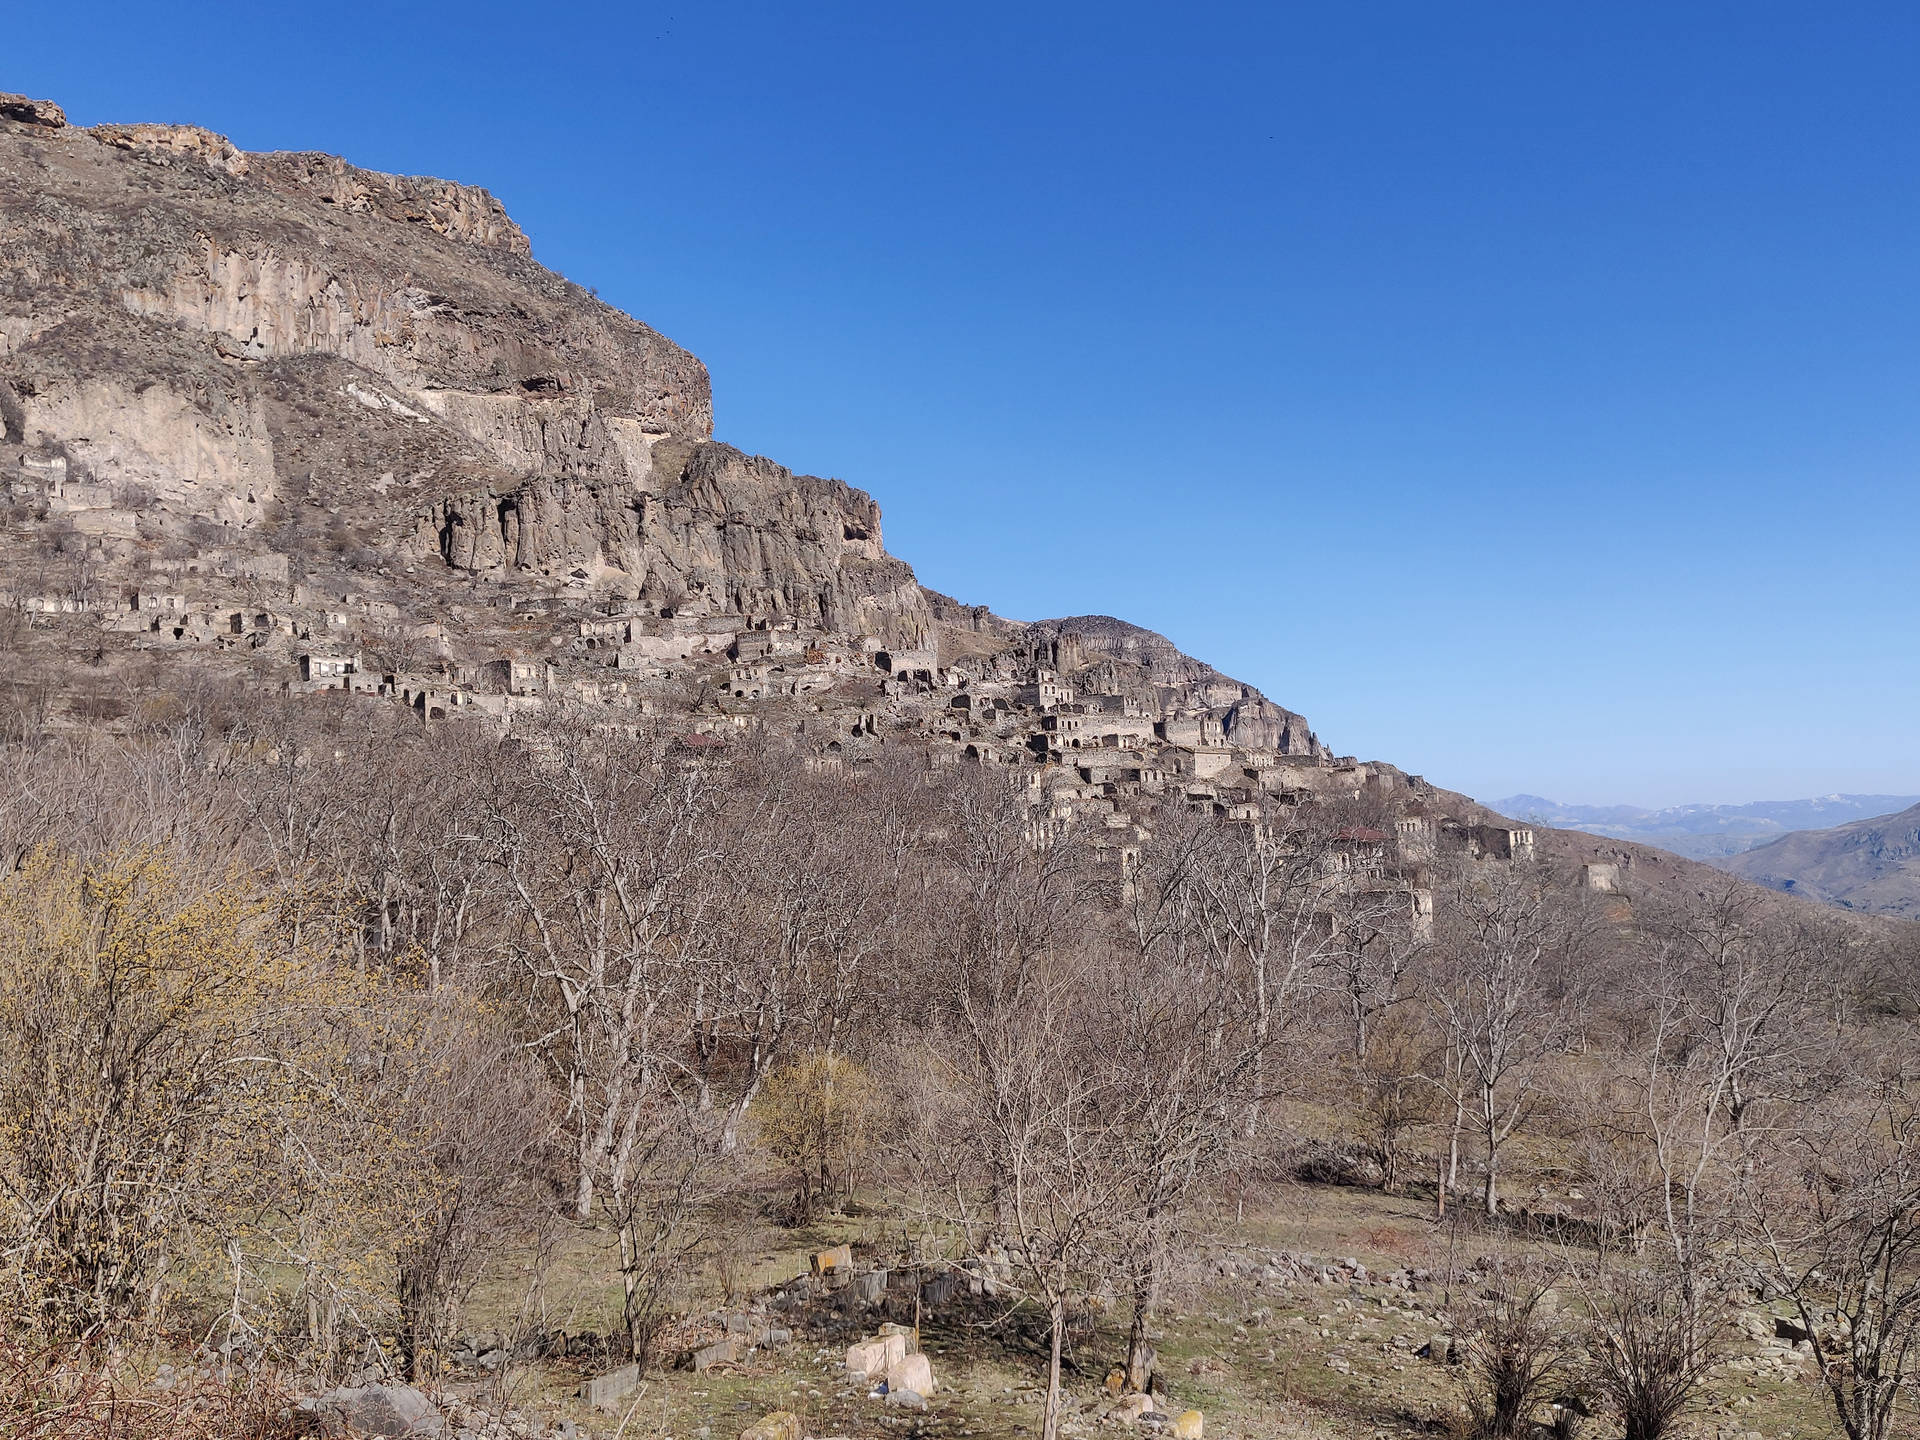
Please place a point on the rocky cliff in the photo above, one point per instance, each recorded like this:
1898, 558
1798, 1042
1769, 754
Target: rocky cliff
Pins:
210, 348
341, 427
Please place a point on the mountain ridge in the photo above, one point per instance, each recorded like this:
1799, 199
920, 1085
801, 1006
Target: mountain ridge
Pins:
1705, 832
1871, 865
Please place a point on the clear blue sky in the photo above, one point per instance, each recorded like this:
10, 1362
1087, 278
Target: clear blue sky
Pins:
1524, 392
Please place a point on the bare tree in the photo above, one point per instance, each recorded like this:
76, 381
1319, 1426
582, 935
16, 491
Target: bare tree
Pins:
1724, 1002
1494, 991
608, 846
1834, 1225
474, 1111
1188, 1058
1023, 1151
1271, 897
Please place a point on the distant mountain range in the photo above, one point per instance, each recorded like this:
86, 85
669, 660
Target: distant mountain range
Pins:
1870, 865
1708, 832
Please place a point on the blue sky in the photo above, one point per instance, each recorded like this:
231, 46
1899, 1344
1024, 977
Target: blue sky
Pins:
1523, 392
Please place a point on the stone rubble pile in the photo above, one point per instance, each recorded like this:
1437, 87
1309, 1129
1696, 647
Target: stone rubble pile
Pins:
892, 1363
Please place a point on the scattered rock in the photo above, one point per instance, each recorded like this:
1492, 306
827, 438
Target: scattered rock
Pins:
721, 1352
840, 1257
1132, 1407
875, 1357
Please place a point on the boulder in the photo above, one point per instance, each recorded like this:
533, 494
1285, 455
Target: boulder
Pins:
840, 1257
606, 1391
721, 1352
391, 1412
907, 1399
911, 1372
873, 1357
780, 1425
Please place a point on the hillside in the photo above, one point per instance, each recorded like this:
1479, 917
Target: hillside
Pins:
1872, 866
276, 425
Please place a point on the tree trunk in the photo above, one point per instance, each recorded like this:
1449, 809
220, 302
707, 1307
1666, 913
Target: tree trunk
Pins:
414, 1343
1140, 1351
1057, 1312
1452, 1179
1146, 1299
1491, 1133
629, 1280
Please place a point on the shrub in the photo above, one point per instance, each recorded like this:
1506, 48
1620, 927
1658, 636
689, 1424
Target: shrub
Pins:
59, 1393
816, 1116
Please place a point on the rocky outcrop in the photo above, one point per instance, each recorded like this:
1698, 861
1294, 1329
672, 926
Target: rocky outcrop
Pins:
460, 212
1114, 657
424, 283
1254, 722
392, 1412
262, 300
708, 530
187, 140
23, 111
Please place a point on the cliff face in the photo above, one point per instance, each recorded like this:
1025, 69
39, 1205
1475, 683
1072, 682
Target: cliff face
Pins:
712, 531
425, 284
285, 418
209, 338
